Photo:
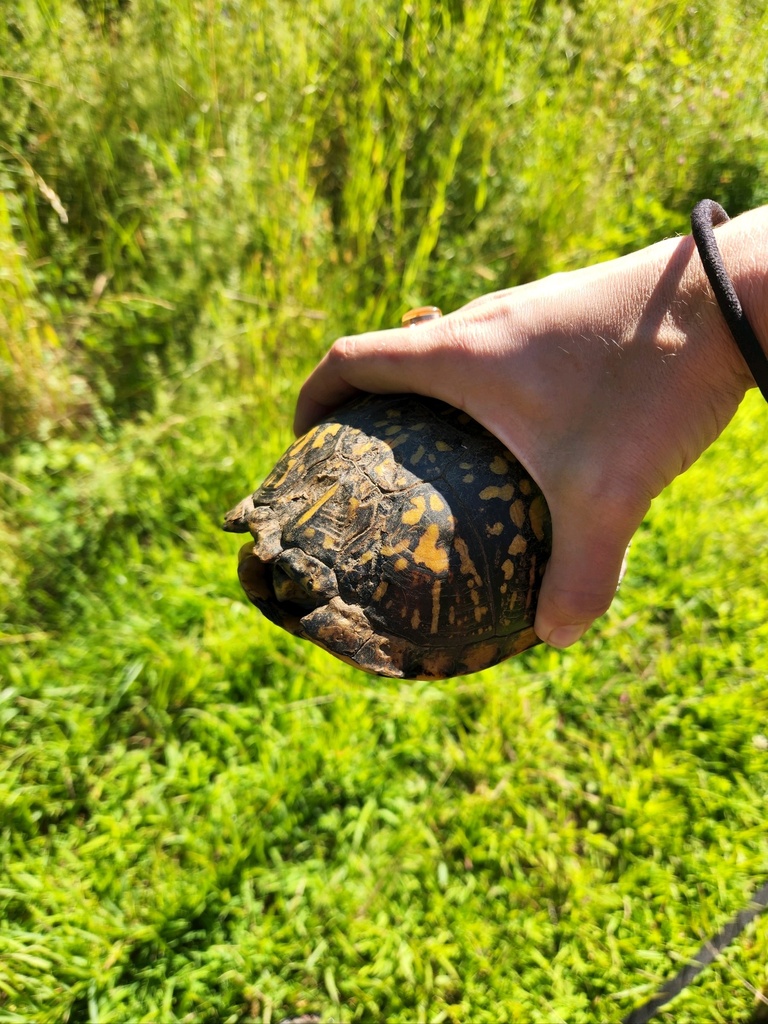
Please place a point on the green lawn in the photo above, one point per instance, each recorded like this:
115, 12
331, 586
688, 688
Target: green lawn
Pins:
203, 819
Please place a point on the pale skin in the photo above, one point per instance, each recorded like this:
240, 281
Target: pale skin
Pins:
606, 383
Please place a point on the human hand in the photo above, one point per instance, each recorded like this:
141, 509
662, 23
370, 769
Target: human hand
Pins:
606, 383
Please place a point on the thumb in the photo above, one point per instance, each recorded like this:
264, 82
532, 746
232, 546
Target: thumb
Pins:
582, 575
377, 362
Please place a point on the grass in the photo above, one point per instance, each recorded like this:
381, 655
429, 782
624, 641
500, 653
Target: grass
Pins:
201, 818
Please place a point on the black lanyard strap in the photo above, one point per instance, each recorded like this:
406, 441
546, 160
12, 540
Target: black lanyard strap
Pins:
710, 951
706, 215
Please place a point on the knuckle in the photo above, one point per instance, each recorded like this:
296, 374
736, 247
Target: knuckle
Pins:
342, 350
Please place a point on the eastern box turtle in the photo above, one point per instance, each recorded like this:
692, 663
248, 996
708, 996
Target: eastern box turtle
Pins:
400, 536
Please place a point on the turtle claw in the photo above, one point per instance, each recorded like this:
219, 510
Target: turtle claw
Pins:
236, 520
262, 524
302, 580
267, 533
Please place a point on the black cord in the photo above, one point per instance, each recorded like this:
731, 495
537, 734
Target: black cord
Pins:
706, 215
710, 951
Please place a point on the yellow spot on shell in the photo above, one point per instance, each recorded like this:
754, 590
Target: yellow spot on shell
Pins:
302, 442
414, 514
362, 448
428, 553
318, 504
465, 465
323, 433
388, 550
436, 606
538, 516
517, 513
469, 478
443, 446
367, 556
380, 591
435, 503
518, 545
415, 619
451, 615
310, 532
397, 441
392, 430
495, 530
524, 485
480, 612
508, 568
354, 504
328, 542
505, 492
499, 466
278, 483
468, 567
390, 414
401, 563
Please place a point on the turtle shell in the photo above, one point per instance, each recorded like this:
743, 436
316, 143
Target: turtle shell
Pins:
400, 536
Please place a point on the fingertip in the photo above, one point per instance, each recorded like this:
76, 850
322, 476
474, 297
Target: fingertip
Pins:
570, 601
308, 413
309, 410
563, 636
379, 362
577, 589
589, 551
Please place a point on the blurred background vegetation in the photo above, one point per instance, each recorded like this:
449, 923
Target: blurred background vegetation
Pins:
201, 819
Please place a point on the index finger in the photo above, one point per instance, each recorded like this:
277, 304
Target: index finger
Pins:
379, 362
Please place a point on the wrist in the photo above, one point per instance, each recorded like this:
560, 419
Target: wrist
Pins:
680, 325
743, 245
691, 322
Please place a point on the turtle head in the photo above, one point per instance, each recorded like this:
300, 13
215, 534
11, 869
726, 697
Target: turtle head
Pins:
284, 583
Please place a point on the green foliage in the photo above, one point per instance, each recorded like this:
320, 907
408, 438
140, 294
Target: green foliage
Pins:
202, 819
342, 161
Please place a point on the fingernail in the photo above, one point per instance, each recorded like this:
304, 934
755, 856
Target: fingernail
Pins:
564, 636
